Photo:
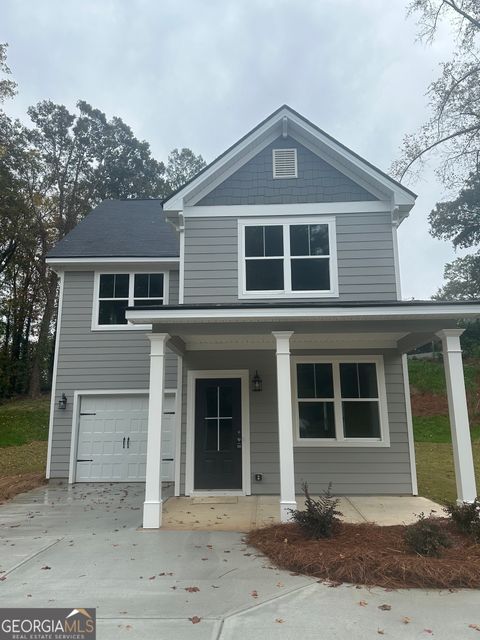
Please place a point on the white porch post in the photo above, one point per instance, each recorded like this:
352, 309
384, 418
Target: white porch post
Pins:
285, 425
458, 412
152, 507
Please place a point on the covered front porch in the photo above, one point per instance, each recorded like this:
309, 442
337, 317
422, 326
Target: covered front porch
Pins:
244, 513
271, 457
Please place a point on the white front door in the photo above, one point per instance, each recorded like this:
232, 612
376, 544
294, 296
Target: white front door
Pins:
112, 438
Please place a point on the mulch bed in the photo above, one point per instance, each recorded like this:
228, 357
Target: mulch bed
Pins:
369, 554
10, 486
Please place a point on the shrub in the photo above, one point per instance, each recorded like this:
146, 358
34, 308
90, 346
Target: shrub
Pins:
320, 517
466, 517
426, 537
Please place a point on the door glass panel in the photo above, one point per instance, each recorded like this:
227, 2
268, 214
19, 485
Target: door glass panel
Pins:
226, 435
211, 402
361, 419
226, 409
211, 434
317, 419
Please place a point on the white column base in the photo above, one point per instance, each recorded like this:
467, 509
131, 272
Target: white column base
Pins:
285, 513
152, 515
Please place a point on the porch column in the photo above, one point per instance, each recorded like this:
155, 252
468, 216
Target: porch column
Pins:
458, 412
152, 507
285, 424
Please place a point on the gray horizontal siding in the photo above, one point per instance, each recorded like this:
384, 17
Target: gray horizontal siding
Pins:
352, 470
317, 181
366, 266
96, 359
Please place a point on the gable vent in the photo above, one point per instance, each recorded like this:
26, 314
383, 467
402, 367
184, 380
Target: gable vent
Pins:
284, 163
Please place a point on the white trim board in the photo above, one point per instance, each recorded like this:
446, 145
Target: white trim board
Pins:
94, 261
313, 314
277, 210
192, 377
77, 396
408, 411
53, 399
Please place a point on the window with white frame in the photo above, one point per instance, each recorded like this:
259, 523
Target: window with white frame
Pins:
340, 401
114, 292
294, 258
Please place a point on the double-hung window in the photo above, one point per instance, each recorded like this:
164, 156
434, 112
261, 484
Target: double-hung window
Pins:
294, 258
114, 292
340, 401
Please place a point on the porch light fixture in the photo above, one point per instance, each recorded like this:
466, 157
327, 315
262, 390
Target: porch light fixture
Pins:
62, 403
256, 382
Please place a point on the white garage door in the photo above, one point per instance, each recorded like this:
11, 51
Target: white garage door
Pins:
112, 438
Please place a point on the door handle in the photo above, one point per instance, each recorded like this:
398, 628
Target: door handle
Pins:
124, 443
128, 443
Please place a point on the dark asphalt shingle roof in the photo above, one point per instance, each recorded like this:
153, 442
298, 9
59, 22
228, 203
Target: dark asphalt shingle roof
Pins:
121, 228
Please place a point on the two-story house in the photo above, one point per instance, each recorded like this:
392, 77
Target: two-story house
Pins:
248, 333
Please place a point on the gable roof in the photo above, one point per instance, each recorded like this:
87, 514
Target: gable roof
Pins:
120, 229
283, 121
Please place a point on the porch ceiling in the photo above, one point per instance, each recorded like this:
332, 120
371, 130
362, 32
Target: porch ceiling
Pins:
399, 325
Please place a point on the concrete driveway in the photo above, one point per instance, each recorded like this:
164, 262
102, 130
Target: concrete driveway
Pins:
81, 547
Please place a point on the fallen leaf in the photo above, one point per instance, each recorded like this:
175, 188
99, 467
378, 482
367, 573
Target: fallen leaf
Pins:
280, 584
195, 620
406, 620
2, 578
385, 607
214, 586
192, 589
363, 603
381, 632
474, 626
254, 594
428, 631
279, 620
152, 577
46, 567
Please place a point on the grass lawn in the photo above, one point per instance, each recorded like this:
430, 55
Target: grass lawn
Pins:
23, 436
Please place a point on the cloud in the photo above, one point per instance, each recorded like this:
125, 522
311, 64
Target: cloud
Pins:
201, 74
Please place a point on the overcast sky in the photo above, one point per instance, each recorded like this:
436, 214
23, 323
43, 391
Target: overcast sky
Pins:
201, 73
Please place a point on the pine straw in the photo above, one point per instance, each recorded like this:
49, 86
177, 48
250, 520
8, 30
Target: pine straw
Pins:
11, 486
369, 554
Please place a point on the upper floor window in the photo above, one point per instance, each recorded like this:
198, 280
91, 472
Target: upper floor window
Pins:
292, 259
114, 292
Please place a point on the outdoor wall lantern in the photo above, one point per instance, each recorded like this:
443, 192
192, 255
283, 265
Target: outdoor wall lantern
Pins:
62, 403
256, 382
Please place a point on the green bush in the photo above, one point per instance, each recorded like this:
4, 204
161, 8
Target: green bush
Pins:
466, 517
320, 517
426, 537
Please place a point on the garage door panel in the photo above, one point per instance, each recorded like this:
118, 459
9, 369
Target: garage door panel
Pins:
105, 421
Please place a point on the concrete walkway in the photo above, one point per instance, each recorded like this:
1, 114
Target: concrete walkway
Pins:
231, 513
82, 547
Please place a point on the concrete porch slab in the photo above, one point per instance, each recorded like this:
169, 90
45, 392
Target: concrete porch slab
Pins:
242, 513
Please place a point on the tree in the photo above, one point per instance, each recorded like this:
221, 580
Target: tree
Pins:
453, 128
8, 88
462, 279
182, 165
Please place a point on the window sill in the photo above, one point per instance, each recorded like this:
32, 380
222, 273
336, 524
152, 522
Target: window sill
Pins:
319, 444
286, 296
122, 327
